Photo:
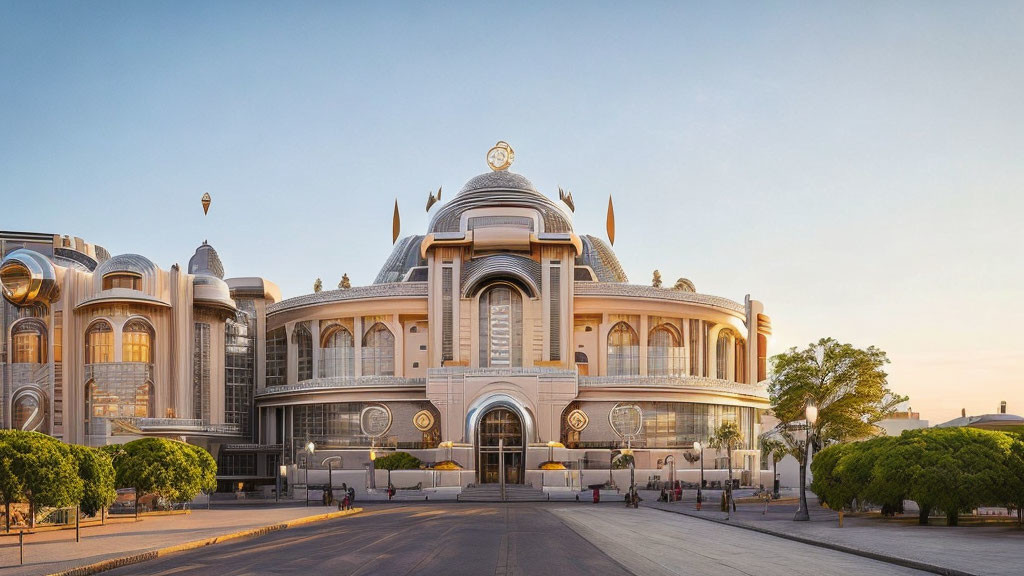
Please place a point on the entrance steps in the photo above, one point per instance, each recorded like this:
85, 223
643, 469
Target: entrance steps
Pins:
492, 493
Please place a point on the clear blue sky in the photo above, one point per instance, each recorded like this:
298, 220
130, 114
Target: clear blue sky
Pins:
859, 167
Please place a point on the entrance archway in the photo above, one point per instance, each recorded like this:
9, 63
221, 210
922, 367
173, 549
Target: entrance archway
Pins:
502, 426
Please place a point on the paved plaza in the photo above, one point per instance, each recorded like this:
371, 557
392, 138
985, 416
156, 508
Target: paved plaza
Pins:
54, 551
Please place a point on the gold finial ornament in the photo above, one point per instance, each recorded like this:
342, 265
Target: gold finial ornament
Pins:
431, 199
501, 156
206, 203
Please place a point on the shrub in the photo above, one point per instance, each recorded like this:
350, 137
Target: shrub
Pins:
397, 461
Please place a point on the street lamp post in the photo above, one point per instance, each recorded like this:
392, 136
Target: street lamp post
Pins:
282, 470
330, 476
310, 449
700, 495
671, 476
811, 415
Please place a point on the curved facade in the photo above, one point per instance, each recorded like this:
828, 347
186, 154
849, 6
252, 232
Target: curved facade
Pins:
496, 334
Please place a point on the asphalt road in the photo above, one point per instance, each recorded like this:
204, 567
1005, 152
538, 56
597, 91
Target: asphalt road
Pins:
443, 539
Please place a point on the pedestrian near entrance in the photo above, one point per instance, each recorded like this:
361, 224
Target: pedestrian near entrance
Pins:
351, 495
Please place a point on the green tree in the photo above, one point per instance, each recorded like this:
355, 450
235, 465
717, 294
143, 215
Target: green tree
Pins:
1015, 481
397, 461
46, 468
775, 449
97, 474
727, 436
958, 470
827, 483
12, 486
848, 385
172, 470
207, 467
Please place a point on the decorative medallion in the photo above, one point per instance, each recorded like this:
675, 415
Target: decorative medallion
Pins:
627, 420
375, 420
577, 420
501, 156
423, 420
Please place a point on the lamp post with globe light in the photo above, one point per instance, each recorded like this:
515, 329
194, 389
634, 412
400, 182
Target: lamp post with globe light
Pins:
700, 496
811, 416
310, 449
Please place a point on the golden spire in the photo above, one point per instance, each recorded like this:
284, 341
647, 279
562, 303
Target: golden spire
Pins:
396, 224
611, 221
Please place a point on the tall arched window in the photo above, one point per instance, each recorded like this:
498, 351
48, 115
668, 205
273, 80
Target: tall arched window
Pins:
99, 343
378, 351
303, 340
740, 371
501, 327
337, 353
623, 351
136, 342
28, 338
722, 351
664, 351
277, 357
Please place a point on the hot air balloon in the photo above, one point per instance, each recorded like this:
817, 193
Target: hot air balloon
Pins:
206, 203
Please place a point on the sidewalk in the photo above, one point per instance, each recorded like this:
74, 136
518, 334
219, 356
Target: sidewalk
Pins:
55, 551
973, 550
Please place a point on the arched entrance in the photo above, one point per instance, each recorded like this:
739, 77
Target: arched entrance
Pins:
502, 426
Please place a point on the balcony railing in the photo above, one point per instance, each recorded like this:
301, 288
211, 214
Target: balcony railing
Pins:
342, 382
184, 424
681, 382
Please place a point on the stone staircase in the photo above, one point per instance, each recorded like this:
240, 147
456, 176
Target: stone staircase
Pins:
492, 493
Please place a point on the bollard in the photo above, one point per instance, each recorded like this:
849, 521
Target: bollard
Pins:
840, 518
77, 524
21, 546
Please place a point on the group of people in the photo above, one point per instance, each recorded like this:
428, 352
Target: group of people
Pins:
348, 497
672, 494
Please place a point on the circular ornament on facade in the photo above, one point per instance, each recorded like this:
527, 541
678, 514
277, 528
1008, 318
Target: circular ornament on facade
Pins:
500, 157
423, 420
577, 420
375, 420
627, 420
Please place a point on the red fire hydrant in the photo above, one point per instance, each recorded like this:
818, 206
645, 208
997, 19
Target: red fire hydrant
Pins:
597, 495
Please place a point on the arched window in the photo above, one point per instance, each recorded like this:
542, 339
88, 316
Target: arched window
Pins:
337, 353
28, 338
740, 370
664, 352
623, 351
725, 342
99, 343
122, 280
303, 340
136, 342
277, 357
378, 351
501, 327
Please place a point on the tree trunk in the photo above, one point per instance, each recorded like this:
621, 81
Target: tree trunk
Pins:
7, 514
31, 514
953, 518
922, 514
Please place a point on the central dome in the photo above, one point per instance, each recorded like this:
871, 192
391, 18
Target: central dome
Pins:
499, 180
500, 189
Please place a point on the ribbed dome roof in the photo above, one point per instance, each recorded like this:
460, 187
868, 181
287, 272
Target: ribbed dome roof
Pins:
500, 189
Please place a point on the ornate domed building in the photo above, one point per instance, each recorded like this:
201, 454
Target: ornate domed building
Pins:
501, 338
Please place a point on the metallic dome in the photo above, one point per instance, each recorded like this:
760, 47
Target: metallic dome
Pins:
500, 189
206, 261
28, 277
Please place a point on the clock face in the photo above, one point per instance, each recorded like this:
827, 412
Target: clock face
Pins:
500, 157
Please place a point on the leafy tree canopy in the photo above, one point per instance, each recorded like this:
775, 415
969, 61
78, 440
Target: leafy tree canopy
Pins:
97, 474
170, 469
847, 384
46, 472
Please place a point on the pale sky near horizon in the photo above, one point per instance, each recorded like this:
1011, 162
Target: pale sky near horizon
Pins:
858, 166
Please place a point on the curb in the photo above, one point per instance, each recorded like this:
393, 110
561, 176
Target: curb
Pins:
904, 562
112, 563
